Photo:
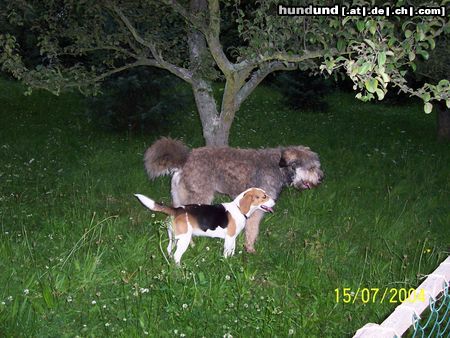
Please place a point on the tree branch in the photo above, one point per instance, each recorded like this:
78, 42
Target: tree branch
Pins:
189, 17
258, 76
137, 63
98, 48
212, 36
158, 61
285, 57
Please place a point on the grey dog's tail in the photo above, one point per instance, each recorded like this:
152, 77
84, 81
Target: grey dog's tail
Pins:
164, 156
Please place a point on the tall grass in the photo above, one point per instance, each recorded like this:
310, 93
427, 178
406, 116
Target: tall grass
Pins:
79, 256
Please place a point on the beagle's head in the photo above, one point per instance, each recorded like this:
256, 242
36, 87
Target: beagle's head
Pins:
253, 199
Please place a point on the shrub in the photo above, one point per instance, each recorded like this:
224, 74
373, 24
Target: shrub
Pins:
138, 100
301, 91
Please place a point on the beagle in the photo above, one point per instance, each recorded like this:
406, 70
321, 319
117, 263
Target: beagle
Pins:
224, 220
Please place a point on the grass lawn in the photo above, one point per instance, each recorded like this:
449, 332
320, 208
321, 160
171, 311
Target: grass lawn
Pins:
79, 256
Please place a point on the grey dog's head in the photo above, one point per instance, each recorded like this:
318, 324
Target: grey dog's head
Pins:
303, 166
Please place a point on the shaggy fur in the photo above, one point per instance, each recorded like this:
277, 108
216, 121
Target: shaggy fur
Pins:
200, 173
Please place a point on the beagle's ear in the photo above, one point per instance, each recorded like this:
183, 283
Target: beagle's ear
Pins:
246, 202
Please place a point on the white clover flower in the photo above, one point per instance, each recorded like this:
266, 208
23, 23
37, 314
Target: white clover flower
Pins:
26, 292
291, 332
93, 302
185, 306
69, 299
107, 324
144, 290
227, 277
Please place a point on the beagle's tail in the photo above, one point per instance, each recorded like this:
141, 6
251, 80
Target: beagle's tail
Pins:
152, 205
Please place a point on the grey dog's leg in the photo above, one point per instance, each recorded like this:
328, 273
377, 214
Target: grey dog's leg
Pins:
252, 230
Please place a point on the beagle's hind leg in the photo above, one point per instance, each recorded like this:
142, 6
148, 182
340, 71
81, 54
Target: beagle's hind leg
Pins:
182, 245
171, 244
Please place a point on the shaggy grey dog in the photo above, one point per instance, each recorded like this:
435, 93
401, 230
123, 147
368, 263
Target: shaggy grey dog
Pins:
199, 173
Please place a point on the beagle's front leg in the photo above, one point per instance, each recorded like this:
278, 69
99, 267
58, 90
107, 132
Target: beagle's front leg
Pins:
229, 246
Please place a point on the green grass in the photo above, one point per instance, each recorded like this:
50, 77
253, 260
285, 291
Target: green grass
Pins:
79, 255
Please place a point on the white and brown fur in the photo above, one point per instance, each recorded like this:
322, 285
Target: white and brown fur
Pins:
198, 174
224, 220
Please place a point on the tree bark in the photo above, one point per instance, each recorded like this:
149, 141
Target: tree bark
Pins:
443, 122
207, 109
216, 128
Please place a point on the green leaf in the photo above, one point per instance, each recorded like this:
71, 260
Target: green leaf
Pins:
408, 34
443, 83
370, 43
432, 43
360, 26
428, 107
345, 20
392, 41
447, 103
381, 58
406, 23
385, 77
420, 35
426, 97
371, 85
364, 68
373, 28
424, 54
330, 65
341, 45
380, 94
411, 56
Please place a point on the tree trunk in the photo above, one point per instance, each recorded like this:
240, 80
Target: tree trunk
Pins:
443, 123
215, 131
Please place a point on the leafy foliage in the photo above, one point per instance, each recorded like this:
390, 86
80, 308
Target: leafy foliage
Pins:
138, 100
301, 91
83, 42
